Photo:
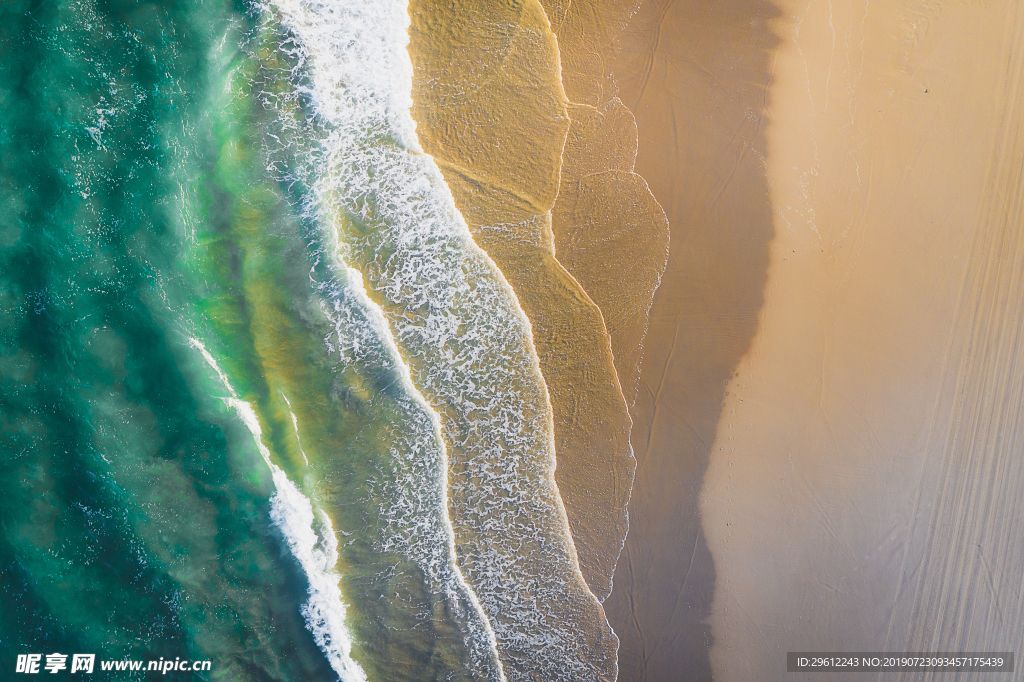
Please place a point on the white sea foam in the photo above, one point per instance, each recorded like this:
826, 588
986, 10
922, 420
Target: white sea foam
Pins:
415, 515
317, 552
295, 425
465, 341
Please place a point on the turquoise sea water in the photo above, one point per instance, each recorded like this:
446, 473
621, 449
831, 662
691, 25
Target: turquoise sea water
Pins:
262, 401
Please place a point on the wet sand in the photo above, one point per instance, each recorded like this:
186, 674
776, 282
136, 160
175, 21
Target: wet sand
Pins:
609, 230
695, 75
865, 482
490, 108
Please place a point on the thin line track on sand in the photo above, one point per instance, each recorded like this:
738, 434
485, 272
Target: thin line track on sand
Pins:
965, 595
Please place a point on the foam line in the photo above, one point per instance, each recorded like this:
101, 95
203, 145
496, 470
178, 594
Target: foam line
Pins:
317, 552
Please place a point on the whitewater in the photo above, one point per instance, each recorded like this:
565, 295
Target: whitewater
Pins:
416, 512
311, 539
407, 272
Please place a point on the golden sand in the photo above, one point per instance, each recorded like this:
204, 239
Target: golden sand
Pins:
830, 387
491, 110
865, 481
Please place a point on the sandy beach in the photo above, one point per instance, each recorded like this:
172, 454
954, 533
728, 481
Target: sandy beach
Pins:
609, 230
826, 399
511, 340
863, 487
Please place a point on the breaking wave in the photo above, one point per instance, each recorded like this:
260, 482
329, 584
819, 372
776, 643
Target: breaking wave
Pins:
456, 334
312, 541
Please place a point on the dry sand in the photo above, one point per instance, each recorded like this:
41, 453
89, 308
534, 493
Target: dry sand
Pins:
865, 485
827, 415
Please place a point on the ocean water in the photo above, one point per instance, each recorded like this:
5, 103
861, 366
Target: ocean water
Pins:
263, 401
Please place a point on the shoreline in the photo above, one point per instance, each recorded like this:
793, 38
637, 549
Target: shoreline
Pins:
502, 148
